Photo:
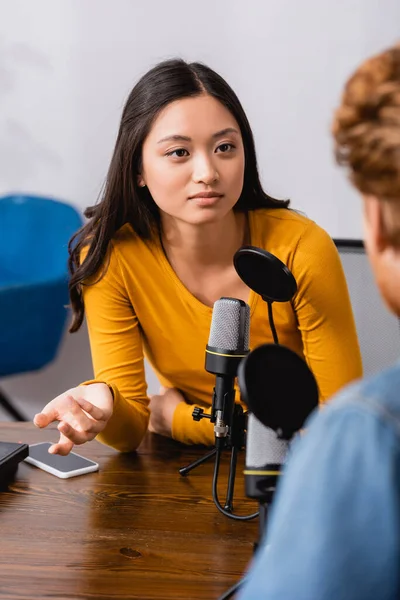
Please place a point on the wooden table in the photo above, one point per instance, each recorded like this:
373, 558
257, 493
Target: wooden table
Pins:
136, 529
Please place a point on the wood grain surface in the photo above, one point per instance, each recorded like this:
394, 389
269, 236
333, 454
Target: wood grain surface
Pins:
134, 530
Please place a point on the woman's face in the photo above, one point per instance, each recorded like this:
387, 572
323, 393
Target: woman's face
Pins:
193, 160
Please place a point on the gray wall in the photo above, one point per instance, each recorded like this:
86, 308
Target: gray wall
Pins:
66, 68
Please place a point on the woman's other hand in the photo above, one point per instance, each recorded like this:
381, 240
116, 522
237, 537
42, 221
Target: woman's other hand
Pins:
162, 408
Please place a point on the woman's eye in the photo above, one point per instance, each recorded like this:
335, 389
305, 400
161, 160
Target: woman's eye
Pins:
225, 148
180, 153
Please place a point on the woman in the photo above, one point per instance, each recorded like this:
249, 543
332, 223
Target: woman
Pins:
182, 195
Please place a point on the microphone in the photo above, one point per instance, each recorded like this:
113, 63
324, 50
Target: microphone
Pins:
265, 454
280, 391
228, 344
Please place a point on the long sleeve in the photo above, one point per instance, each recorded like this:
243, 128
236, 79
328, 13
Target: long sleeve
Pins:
334, 527
324, 314
185, 430
141, 307
117, 355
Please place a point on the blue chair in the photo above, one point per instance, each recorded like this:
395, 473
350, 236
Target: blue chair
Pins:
34, 235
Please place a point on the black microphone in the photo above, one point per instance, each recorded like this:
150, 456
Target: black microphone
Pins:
280, 391
228, 344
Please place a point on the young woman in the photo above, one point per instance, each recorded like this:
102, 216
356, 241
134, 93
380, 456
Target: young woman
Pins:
182, 195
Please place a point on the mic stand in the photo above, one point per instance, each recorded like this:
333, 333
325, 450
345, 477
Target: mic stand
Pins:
267, 499
233, 441
263, 510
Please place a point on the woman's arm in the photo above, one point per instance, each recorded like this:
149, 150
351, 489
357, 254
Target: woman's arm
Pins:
117, 355
324, 314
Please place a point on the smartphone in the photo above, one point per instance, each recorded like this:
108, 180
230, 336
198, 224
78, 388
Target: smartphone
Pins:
61, 466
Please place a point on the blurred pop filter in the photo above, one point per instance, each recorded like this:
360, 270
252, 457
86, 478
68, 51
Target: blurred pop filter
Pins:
278, 387
265, 274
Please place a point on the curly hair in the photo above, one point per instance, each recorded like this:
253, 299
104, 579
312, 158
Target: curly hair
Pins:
366, 126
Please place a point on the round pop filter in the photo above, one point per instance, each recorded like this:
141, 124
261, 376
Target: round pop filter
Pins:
278, 387
265, 274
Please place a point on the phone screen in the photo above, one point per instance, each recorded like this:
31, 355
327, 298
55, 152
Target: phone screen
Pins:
65, 464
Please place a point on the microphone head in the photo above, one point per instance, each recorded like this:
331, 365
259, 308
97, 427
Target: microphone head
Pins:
278, 387
263, 447
265, 274
230, 325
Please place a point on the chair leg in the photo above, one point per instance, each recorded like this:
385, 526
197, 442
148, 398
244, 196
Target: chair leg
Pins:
12, 410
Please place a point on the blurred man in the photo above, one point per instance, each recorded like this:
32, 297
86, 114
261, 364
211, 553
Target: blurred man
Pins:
335, 527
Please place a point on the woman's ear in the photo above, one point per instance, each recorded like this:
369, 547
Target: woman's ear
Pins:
140, 181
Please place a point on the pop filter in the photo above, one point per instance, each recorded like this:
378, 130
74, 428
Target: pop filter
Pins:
265, 274
278, 387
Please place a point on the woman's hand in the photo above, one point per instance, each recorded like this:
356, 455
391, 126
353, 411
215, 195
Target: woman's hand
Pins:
162, 408
82, 412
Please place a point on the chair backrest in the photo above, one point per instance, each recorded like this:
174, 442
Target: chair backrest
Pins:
34, 235
378, 330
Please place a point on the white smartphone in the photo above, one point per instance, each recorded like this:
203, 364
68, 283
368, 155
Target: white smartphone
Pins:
61, 466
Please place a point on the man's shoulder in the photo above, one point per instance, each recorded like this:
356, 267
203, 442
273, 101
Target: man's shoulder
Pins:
359, 427
378, 395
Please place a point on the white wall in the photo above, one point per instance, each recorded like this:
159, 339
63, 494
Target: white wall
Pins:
67, 66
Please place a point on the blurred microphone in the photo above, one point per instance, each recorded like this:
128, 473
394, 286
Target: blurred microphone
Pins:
228, 344
280, 391
265, 454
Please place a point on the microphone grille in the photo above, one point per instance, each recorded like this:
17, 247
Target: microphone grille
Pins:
230, 325
263, 447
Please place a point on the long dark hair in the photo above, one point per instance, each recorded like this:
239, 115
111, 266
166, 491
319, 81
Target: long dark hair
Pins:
122, 200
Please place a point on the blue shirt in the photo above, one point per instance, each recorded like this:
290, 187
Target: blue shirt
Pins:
334, 531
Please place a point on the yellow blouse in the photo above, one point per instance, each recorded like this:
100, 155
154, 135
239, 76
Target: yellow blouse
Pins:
140, 307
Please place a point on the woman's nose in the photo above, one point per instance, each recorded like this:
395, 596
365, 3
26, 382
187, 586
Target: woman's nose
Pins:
205, 171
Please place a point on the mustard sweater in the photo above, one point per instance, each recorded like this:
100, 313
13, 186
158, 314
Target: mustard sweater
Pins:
140, 307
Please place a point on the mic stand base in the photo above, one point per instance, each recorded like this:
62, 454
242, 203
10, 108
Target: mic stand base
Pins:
186, 470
